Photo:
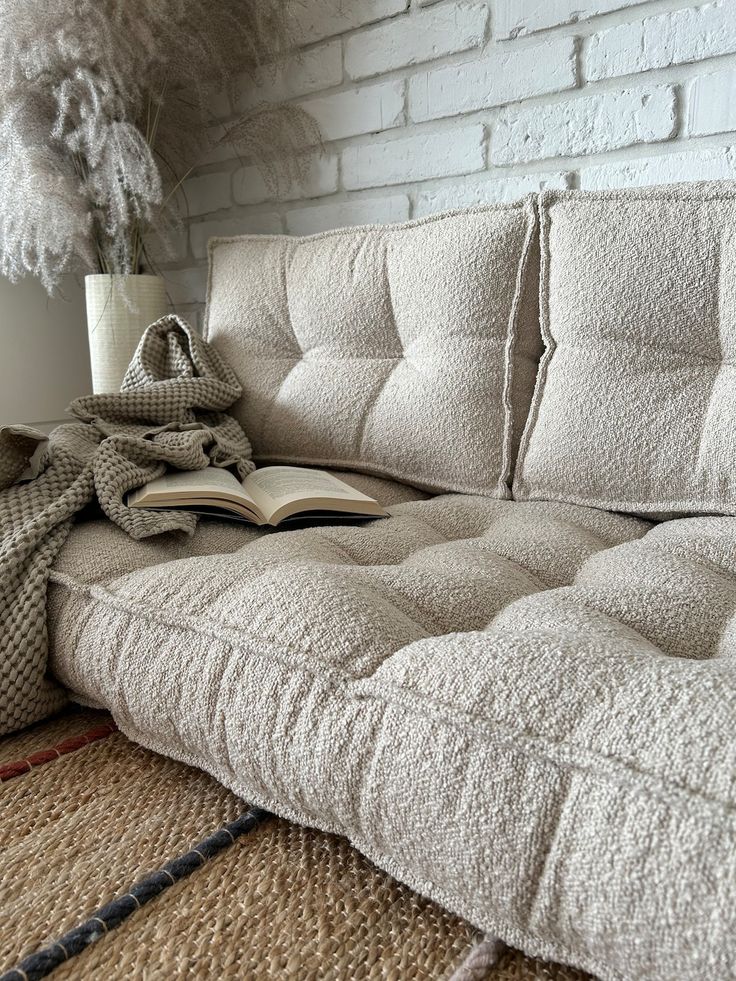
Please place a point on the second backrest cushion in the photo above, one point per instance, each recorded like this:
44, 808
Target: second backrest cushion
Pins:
635, 403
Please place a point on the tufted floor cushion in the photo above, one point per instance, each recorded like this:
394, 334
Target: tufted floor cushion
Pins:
523, 710
353, 678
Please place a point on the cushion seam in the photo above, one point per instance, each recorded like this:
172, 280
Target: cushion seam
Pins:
512, 331
670, 193
519, 484
656, 506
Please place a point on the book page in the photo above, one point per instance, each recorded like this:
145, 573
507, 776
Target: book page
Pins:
212, 484
273, 487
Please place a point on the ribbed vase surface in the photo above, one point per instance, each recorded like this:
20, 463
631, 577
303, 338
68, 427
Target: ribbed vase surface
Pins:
119, 308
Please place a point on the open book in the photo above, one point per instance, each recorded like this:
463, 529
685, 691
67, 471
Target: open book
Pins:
266, 497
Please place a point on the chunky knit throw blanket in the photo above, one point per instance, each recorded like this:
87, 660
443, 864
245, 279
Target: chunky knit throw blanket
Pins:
170, 411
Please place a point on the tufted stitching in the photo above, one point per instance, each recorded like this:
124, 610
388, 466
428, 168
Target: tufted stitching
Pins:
287, 299
371, 403
288, 328
706, 426
390, 298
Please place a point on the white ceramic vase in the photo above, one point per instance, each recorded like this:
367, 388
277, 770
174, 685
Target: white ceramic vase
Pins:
119, 308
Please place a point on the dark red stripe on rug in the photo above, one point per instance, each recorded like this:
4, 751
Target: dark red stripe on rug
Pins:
41, 963
19, 767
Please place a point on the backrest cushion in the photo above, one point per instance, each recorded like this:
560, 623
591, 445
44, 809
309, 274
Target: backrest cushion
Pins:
635, 404
407, 351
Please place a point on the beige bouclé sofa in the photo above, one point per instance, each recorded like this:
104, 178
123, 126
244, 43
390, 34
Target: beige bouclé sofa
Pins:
517, 693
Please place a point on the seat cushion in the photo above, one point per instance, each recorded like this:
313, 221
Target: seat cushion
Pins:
406, 350
352, 678
635, 405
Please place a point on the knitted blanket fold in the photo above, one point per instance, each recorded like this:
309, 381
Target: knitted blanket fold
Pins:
170, 412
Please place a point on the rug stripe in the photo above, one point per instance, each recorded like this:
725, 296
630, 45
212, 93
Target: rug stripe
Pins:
19, 767
107, 917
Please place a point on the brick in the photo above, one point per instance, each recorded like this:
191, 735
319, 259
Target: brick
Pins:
370, 109
415, 158
672, 38
666, 168
590, 124
713, 104
505, 75
207, 193
486, 190
312, 71
320, 178
320, 19
419, 36
369, 211
186, 285
514, 17
268, 223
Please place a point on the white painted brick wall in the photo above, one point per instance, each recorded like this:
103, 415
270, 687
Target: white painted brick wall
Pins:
419, 157
668, 39
505, 75
371, 109
591, 124
325, 18
320, 178
516, 17
443, 30
713, 104
430, 105
371, 211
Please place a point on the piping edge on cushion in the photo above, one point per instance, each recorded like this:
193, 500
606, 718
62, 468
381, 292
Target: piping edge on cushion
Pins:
512, 333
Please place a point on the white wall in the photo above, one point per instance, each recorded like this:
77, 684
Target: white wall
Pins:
433, 105
44, 359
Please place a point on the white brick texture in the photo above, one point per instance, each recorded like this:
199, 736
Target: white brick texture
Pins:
432, 105
371, 109
368, 211
319, 178
506, 75
314, 70
668, 39
668, 168
186, 286
325, 18
485, 190
414, 158
267, 223
515, 17
414, 38
206, 194
713, 104
592, 124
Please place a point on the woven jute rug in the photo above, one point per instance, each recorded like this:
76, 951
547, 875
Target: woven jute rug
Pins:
100, 878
